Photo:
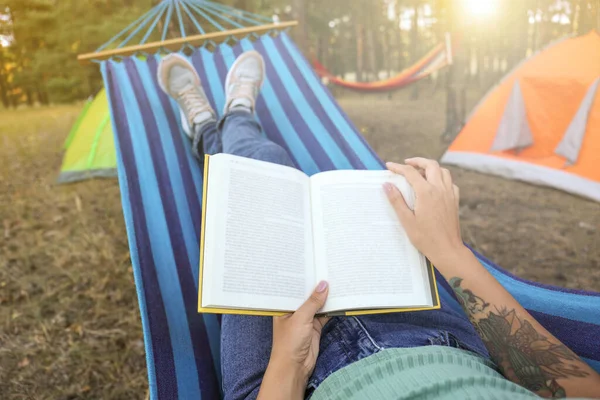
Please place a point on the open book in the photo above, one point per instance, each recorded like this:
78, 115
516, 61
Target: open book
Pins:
271, 233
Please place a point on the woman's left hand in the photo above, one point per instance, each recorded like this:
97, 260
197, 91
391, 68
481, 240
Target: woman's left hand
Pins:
295, 347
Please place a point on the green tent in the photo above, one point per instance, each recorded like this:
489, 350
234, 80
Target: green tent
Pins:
90, 148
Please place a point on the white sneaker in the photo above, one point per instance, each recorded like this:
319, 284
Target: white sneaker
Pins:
244, 81
178, 78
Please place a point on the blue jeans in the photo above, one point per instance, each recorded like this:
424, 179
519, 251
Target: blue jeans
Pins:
240, 134
246, 340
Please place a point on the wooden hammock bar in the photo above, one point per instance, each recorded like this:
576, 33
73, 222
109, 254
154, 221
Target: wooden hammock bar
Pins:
175, 44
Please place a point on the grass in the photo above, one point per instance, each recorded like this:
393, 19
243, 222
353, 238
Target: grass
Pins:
69, 322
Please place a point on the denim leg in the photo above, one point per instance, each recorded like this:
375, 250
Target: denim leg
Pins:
237, 133
207, 140
245, 351
242, 135
246, 340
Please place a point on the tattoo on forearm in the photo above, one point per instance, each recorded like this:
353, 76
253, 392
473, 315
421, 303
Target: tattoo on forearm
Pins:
522, 353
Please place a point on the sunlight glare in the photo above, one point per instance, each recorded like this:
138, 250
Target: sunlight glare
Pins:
481, 8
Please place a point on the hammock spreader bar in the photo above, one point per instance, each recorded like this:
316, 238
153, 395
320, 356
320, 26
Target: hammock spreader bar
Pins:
214, 23
177, 44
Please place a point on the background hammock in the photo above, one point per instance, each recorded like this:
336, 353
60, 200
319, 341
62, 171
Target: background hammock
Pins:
161, 185
439, 57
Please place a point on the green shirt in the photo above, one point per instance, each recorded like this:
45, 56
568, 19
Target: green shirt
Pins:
431, 372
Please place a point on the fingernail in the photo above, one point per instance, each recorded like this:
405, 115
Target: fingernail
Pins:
322, 286
388, 187
408, 160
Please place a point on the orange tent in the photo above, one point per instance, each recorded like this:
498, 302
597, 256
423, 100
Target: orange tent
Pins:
541, 123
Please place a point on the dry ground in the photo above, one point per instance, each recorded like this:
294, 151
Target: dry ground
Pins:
538, 233
69, 323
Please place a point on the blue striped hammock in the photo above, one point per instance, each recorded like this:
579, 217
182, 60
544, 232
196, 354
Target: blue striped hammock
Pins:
161, 190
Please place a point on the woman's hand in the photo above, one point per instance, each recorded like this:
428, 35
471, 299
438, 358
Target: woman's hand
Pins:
433, 227
295, 348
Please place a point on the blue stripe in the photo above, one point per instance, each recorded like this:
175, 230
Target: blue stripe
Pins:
192, 175
592, 363
279, 73
577, 292
368, 158
184, 170
213, 329
173, 114
163, 362
293, 142
175, 168
578, 336
264, 116
195, 322
207, 84
195, 168
161, 246
132, 240
551, 302
214, 82
295, 118
210, 321
317, 107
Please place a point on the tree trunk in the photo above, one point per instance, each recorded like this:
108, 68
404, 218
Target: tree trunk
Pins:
575, 15
242, 5
387, 53
452, 119
371, 52
414, 48
598, 16
399, 39
42, 96
3, 83
359, 52
519, 25
29, 97
299, 10
536, 25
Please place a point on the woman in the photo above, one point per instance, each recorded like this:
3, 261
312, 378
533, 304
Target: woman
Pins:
496, 349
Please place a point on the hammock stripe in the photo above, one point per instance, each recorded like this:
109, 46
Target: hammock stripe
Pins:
161, 187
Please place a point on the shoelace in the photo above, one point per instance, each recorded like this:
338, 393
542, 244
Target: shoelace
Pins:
244, 88
193, 102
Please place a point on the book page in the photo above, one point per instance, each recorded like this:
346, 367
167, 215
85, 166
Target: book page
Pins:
258, 236
361, 248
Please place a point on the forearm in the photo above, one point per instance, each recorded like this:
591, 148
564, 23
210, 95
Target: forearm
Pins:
525, 351
282, 382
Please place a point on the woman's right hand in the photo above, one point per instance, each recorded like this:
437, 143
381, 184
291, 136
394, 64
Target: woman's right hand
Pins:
433, 227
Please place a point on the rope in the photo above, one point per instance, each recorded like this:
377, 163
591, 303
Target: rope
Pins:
208, 18
231, 10
218, 15
191, 16
141, 26
118, 36
181, 27
167, 21
238, 15
151, 29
